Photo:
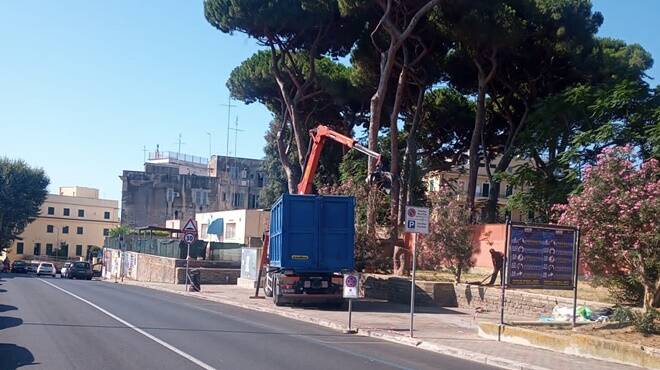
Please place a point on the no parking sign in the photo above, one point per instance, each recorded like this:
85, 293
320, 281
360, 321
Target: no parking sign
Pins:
351, 284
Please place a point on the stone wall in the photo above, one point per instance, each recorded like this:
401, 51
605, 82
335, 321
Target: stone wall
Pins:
397, 289
427, 293
516, 302
211, 275
159, 269
155, 268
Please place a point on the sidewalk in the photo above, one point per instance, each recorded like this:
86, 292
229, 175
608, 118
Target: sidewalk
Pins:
450, 331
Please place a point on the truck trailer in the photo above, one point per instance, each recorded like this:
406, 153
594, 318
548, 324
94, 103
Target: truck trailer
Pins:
312, 239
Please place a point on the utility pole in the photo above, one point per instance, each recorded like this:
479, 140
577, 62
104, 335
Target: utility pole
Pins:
144, 154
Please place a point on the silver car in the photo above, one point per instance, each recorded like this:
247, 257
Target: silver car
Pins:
65, 269
46, 268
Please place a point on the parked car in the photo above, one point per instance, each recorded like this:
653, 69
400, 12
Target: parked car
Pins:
32, 267
65, 269
80, 270
19, 267
46, 268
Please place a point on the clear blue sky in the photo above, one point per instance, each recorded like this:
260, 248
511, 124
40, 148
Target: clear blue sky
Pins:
84, 85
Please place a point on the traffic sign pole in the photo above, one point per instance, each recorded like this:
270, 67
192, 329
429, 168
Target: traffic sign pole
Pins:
412, 284
189, 237
351, 291
187, 265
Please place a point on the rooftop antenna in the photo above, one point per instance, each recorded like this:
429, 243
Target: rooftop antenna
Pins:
144, 153
229, 105
180, 142
236, 130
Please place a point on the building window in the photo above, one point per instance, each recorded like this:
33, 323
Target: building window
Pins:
244, 174
230, 231
79, 230
37, 249
224, 196
106, 232
51, 210
19, 248
65, 229
49, 228
49, 249
260, 180
530, 216
485, 189
106, 215
67, 212
78, 250
81, 213
252, 201
509, 190
238, 200
64, 250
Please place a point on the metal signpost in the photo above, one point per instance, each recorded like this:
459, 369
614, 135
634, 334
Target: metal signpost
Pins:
351, 291
189, 236
417, 222
540, 257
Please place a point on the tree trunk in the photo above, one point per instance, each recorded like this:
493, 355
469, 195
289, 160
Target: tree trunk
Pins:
291, 175
410, 158
474, 143
480, 118
394, 149
650, 293
376, 107
492, 215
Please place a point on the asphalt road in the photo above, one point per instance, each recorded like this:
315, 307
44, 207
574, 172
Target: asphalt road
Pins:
48, 323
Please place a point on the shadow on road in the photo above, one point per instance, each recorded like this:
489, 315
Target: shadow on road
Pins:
5, 308
13, 356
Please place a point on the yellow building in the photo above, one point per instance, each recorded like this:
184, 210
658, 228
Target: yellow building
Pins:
68, 224
458, 177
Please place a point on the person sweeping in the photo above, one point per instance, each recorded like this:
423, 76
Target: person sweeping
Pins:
498, 263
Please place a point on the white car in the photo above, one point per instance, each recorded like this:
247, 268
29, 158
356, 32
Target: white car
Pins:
46, 268
65, 269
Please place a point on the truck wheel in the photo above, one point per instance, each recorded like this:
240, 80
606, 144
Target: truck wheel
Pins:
268, 285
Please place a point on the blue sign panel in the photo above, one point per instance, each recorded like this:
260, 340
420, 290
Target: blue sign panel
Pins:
541, 257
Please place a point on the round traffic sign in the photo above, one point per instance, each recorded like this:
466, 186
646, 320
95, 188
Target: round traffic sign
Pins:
351, 281
189, 238
412, 212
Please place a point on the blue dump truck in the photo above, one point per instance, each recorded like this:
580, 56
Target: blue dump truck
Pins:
312, 241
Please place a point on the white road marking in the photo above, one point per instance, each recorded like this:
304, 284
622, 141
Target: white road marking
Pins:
179, 352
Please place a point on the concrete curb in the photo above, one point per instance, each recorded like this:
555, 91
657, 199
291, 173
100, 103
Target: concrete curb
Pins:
373, 333
576, 344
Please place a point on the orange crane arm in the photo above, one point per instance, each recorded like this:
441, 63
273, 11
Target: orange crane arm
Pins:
319, 135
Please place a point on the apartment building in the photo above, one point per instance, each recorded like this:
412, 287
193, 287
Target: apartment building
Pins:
176, 186
69, 223
457, 178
